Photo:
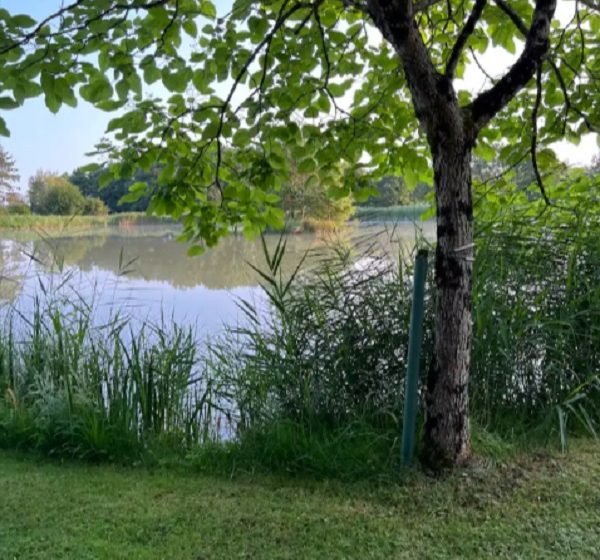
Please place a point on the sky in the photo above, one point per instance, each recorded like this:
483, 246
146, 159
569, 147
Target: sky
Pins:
59, 143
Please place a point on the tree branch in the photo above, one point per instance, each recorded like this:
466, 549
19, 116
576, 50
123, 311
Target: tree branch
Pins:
462, 39
534, 134
491, 101
25, 39
395, 20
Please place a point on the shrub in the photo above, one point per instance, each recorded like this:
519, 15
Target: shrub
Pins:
51, 194
63, 200
94, 207
18, 208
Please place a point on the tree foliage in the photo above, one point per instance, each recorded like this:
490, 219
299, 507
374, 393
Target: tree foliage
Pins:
53, 194
316, 77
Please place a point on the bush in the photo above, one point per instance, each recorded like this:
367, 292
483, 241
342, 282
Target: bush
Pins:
63, 200
18, 208
94, 207
51, 194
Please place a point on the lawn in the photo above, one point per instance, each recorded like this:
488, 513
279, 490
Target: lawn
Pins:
542, 506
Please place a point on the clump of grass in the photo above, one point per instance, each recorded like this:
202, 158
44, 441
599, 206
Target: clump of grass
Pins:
536, 352
71, 387
331, 347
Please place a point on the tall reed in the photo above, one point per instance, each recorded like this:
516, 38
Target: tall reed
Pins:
73, 387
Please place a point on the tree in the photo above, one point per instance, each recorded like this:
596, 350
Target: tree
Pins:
52, 194
369, 83
304, 197
93, 206
9, 174
16, 205
88, 182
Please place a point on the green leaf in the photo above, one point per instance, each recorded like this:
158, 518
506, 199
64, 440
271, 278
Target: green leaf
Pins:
98, 89
52, 102
3, 128
242, 138
8, 103
176, 81
307, 165
190, 27
208, 9
486, 152
23, 20
195, 250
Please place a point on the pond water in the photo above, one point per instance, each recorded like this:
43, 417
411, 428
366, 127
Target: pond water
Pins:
145, 273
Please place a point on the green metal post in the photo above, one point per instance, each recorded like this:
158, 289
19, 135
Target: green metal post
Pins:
415, 338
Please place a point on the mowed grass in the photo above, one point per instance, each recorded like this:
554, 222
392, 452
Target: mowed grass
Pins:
540, 506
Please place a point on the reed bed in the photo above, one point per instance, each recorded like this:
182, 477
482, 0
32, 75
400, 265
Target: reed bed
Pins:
311, 380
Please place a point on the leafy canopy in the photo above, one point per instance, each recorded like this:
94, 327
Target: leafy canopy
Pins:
313, 79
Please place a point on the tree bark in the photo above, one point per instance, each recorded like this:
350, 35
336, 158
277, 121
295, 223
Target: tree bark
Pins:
446, 437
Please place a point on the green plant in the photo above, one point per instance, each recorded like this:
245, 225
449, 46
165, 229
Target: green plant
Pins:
71, 387
94, 207
18, 208
52, 194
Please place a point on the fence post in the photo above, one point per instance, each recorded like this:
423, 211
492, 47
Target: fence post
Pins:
415, 338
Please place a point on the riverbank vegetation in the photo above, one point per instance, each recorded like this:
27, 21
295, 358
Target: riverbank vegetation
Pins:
312, 383
49, 224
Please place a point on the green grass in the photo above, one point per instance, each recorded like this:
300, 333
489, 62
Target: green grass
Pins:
71, 223
541, 506
378, 214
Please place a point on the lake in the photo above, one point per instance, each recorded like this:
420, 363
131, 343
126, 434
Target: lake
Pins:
145, 273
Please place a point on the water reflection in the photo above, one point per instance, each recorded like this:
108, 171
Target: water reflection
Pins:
146, 273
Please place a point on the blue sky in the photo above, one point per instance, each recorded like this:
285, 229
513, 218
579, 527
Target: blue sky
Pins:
41, 140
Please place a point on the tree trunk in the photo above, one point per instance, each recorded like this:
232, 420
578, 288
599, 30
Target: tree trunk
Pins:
446, 437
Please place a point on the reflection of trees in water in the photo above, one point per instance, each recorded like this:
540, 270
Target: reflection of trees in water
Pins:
15, 265
59, 251
162, 258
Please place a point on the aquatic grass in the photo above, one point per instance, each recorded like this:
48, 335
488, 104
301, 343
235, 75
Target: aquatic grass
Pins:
311, 380
536, 352
71, 387
330, 352
76, 222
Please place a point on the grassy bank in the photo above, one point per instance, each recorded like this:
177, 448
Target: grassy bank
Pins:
543, 506
76, 223
377, 214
